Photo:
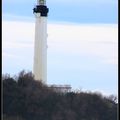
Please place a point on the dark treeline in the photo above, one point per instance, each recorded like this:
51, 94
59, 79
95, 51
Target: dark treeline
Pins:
27, 99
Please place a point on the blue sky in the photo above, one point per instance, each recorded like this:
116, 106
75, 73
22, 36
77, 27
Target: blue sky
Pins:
80, 11
82, 42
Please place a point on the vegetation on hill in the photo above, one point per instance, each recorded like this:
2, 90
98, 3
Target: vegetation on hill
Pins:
27, 99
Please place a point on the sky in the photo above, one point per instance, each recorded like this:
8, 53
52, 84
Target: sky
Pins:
82, 42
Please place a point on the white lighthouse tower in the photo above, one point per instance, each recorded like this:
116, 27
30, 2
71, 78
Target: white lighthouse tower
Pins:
40, 45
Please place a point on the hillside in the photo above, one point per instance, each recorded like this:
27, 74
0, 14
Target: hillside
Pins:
27, 99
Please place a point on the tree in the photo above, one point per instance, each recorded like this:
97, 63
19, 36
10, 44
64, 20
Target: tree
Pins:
28, 99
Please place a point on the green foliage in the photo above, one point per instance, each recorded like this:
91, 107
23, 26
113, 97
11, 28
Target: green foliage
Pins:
27, 99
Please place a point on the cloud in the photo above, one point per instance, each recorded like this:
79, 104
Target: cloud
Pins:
88, 40
80, 54
70, 39
12, 17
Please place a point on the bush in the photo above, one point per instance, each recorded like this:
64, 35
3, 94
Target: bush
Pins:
27, 99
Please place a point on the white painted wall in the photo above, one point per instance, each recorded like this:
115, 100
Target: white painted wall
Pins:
40, 49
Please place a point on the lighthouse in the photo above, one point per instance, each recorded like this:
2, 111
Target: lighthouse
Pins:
40, 45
